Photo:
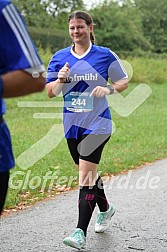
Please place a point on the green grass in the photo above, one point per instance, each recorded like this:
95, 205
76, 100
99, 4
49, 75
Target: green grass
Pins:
148, 70
139, 138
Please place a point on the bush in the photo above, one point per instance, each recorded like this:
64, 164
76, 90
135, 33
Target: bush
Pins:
148, 70
52, 38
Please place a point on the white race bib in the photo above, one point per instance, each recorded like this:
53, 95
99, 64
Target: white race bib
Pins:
79, 102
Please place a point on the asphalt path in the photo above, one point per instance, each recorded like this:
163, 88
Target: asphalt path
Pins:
139, 224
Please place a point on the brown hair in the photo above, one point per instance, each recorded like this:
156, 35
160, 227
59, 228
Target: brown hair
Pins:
86, 17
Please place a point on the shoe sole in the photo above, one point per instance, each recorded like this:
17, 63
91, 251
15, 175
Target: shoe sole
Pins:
105, 228
73, 244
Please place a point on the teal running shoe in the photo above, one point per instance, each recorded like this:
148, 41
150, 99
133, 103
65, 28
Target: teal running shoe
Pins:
76, 240
104, 219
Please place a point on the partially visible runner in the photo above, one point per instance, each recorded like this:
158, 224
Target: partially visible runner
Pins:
18, 61
81, 72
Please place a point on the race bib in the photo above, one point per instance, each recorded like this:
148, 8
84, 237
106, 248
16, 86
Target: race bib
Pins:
79, 102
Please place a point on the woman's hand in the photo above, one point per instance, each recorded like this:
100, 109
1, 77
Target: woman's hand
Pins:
54, 88
64, 73
100, 91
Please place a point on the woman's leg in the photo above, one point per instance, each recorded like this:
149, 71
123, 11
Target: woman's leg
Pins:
88, 145
102, 201
4, 178
86, 153
87, 193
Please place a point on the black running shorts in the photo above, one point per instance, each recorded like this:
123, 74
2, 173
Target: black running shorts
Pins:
88, 147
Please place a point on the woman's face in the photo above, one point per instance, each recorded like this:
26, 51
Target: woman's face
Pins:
79, 31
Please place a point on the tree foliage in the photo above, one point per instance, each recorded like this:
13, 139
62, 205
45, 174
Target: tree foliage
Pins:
154, 22
44, 12
119, 27
122, 25
34, 12
59, 6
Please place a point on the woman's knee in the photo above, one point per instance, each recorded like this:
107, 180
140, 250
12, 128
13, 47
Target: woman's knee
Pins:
87, 173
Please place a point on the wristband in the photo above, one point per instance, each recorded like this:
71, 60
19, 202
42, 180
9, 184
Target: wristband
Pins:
112, 90
1, 87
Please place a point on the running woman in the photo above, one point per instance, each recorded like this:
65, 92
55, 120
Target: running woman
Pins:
81, 72
18, 61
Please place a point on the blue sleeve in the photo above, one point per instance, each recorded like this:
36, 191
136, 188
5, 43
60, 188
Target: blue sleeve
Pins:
116, 70
53, 69
17, 50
